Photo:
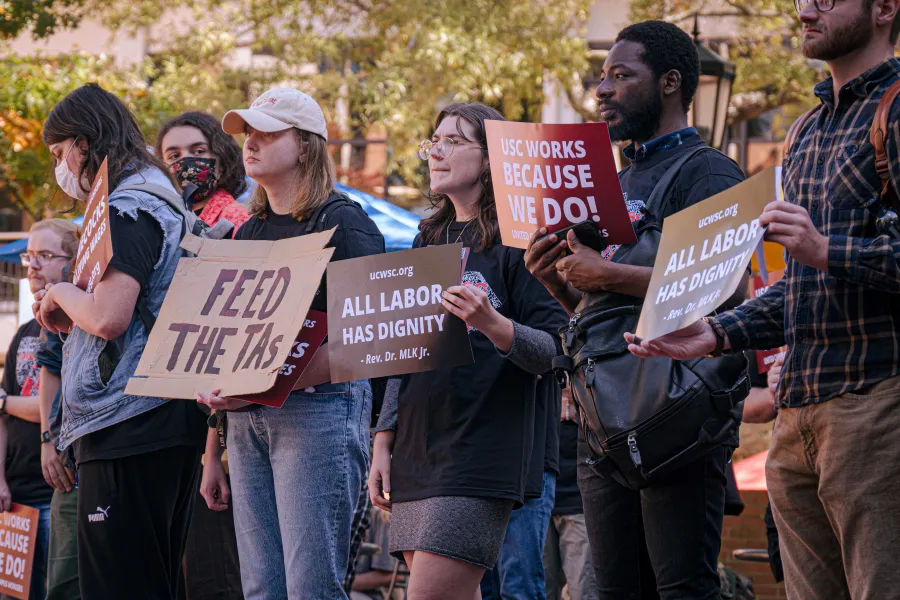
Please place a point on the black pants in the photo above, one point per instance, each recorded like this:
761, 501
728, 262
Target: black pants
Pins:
211, 567
677, 523
133, 519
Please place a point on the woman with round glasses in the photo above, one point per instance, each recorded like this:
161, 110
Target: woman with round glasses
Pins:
452, 444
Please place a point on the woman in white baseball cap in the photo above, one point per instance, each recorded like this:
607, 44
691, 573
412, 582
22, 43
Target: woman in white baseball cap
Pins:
296, 472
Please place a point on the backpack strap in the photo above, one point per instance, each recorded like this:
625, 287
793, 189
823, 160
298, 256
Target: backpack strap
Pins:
657, 202
794, 131
877, 136
319, 217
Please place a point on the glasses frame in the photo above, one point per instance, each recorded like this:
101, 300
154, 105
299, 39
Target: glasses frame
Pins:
816, 3
25, 257
427, 146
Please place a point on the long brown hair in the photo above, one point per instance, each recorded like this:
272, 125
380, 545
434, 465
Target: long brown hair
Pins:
444, 214
316, 180
96, 116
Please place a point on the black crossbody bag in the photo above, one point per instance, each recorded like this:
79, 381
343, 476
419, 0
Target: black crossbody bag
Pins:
645, 418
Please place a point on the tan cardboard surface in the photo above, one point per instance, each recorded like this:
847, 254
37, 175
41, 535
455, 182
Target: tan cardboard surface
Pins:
231, 316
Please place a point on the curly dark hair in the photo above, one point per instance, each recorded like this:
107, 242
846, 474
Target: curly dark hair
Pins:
232, 177
96, 116
667, 48
487, 229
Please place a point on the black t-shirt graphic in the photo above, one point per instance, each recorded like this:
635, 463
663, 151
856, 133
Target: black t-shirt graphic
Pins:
468, 430
21, 377
137, 246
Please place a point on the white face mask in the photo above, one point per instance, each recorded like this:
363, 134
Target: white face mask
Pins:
67, 180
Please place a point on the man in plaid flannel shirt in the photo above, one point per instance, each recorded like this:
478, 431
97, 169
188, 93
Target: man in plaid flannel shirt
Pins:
833, 470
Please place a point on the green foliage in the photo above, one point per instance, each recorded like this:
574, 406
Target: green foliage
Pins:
40, 17
392, 63
771, 70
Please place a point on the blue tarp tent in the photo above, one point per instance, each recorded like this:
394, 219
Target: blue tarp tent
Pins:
398, 226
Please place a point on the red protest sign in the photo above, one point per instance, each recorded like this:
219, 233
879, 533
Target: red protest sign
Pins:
18, 532
95, 248
308, 341
555, 176
766, 358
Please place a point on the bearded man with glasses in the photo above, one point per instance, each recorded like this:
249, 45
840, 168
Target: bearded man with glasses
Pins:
833, 471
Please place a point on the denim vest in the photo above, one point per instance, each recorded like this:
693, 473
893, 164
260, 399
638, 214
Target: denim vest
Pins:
87, 404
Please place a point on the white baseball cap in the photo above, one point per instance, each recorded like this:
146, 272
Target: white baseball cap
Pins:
277, 110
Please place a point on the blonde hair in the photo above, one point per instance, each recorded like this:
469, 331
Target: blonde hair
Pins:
68, 231
315, 175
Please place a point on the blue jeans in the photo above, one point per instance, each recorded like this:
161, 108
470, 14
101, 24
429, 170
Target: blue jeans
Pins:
519, 574
38, 589
296, 473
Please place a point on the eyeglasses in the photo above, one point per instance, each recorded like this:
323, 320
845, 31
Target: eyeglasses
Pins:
39, 258
442, 148
821, 5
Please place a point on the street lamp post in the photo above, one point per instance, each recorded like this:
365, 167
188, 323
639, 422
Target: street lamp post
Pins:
709, 111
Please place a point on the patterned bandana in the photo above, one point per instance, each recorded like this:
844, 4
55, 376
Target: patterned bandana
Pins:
199, 171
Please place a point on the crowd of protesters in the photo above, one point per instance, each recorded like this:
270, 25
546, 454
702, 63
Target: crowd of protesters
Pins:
487, 480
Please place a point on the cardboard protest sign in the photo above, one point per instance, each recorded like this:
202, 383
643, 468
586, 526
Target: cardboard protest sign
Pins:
95, 248
703, 254
766, 358
18, 532
230, 316
310, 338
555, 176
385, 315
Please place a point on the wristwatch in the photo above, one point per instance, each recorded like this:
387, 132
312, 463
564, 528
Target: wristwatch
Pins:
45, 437
719, 333
3, 396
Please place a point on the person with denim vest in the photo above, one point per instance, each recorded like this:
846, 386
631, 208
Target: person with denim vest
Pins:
138, 457
296, 471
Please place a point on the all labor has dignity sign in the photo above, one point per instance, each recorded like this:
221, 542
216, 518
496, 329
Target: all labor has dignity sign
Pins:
703, 255
555, 176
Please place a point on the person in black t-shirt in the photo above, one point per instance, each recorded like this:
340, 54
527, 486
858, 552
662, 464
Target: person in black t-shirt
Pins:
296, 471
567, 553
50, 245
452, 445
138, 457
649, 80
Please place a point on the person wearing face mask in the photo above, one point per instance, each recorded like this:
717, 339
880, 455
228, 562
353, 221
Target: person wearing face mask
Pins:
138, 457
51, 244
198, 152
296, 471
452, 445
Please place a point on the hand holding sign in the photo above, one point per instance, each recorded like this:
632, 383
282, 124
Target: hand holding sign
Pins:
791, 226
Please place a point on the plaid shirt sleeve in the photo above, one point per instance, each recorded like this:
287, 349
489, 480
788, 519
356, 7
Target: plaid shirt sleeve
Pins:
872, 262
758, 323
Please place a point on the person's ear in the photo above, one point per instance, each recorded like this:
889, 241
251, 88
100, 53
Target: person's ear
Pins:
670, 83
304, 148
82, 145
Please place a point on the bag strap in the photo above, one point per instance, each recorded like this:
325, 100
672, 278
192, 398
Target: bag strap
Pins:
877, 136
660, 192
794, 131
319, 214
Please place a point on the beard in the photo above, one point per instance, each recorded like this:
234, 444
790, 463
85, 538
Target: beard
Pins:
638, 117
840, 40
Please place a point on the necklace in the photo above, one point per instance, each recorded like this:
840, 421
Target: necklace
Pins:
460, 233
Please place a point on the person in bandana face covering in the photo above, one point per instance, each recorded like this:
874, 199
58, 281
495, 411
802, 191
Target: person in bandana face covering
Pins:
197, 151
